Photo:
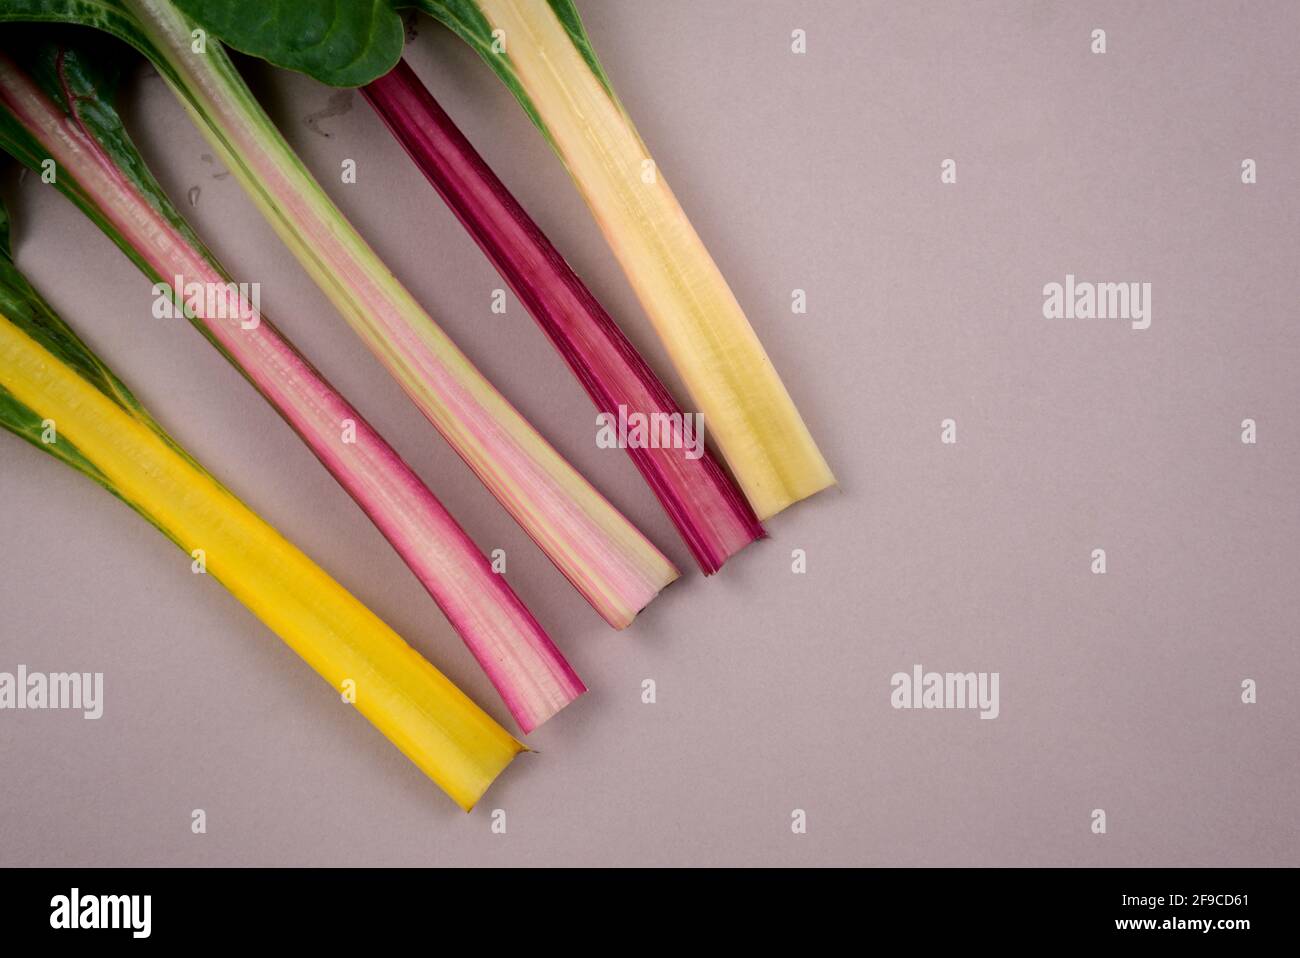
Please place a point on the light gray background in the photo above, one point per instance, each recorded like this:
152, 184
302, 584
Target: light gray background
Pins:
819, 172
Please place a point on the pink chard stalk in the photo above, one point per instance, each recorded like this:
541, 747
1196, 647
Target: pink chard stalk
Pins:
67, 116
703, 502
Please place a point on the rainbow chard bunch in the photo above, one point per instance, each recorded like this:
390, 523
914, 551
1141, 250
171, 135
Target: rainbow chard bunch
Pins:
59, 396
541, 51
57, 105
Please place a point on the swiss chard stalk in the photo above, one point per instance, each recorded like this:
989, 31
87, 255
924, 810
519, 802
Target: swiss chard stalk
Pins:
62, 110
709, 511
56, 394
610, 562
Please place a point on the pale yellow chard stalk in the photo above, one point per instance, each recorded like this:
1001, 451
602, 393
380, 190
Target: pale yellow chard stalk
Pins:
50, 379
545, 57
610, 562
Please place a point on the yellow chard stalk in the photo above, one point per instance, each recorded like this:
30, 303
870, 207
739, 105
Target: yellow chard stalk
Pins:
544, 56
48, 375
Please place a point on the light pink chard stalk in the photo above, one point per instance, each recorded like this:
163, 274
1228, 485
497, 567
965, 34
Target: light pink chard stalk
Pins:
98, 168
703, 502
606, 558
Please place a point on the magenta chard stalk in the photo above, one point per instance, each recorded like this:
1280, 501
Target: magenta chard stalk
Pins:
705, 505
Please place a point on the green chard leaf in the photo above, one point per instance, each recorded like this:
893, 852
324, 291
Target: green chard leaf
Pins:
110, 16
352, 47
339, 42
351, 44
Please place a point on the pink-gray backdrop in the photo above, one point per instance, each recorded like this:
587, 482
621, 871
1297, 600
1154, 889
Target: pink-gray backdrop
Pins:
819, 172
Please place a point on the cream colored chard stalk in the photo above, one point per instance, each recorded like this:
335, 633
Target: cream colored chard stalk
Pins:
606, 558
542, 52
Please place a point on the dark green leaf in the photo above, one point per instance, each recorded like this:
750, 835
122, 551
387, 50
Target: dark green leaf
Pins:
110, 16
339, 42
